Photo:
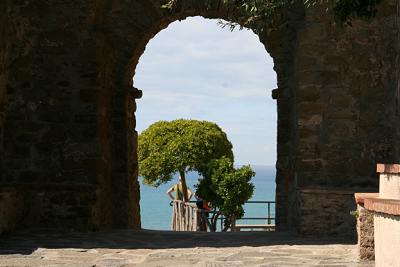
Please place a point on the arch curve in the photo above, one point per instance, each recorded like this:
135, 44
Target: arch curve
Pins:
133, 46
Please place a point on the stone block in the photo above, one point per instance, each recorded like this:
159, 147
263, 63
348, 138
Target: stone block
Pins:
327, 212
365, 227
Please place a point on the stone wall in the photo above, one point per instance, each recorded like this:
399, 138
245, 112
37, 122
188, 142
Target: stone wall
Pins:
67, 131
11, 204
365, 231
3, 73
346, 101
43, 207
398, 79
365, 227
54, 139
327, 212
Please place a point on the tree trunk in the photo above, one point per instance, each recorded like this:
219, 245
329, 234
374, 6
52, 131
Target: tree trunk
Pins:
184, 186
230, 223
214, 221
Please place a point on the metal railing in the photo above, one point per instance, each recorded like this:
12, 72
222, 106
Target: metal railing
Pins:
269, 219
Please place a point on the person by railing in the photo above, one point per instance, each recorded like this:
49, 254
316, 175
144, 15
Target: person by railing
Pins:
178, 190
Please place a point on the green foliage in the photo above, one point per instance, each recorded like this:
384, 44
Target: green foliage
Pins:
259, 14
180, 146
262, 14
355, 213
226, 188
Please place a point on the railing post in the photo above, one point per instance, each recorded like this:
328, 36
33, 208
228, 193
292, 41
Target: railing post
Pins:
173, 216
269, 212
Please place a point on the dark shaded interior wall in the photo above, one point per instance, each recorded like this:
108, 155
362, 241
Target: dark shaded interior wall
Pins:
67, 131
3, 73
346, 99
398, 79
346, 113
60, 154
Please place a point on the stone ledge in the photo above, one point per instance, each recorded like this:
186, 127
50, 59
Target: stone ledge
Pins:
388, 206
388, 168
335, 191
360, 197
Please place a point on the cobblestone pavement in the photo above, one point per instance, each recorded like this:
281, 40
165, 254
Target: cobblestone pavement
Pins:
157, 248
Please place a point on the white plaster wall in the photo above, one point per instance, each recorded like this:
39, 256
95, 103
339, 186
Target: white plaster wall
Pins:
389, 186
387, 240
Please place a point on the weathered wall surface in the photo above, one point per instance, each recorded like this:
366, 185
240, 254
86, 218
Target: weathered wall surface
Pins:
3, 72
346, 102
327, 212
68, 128
54, 146
397, 99
365, 233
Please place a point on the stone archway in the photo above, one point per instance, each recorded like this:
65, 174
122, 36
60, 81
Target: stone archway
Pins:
196, 69
279, 49
67, 137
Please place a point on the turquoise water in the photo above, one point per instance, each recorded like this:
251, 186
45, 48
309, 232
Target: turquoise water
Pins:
156, 211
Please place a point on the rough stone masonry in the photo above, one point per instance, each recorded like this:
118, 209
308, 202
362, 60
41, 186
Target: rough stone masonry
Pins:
67, 110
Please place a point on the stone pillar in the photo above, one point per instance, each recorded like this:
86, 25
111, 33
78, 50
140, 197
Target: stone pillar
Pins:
365, 227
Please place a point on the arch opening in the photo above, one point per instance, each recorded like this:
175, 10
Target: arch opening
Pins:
195, 69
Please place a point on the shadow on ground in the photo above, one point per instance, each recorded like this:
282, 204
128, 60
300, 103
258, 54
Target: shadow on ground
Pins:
27, 242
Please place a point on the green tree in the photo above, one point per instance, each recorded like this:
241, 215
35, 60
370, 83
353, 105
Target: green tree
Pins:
263, 14
227, 188
179, 146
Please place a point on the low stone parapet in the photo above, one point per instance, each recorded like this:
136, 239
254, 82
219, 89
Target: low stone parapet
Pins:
385, 208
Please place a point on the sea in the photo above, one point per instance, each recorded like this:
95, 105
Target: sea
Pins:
156, 211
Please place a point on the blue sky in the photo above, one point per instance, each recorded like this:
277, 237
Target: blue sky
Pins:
195, 69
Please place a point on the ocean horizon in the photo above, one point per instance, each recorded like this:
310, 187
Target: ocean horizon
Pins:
156, 211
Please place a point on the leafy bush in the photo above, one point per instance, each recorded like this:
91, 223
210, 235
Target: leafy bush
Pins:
227, 189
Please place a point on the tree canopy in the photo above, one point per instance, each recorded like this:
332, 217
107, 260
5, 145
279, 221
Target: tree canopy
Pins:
262, 14
258, 14
179, 146
227, 188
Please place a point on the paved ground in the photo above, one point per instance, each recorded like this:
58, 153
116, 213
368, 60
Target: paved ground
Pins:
155, 248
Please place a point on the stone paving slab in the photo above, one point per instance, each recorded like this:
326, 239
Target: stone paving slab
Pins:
158, 248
